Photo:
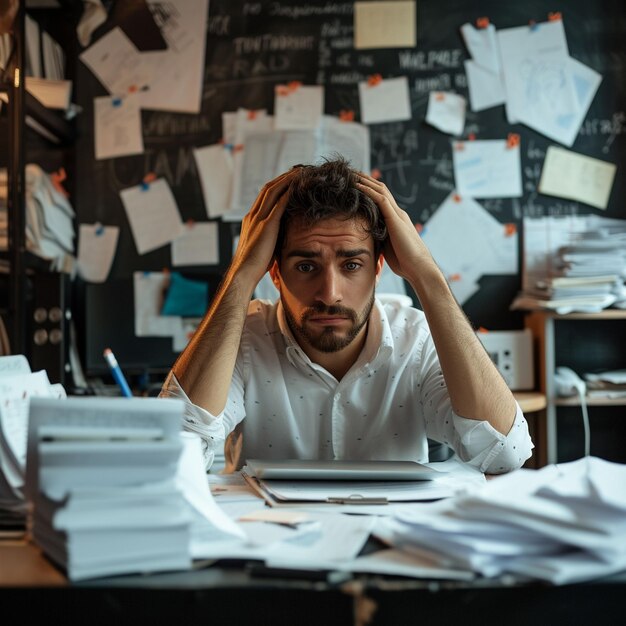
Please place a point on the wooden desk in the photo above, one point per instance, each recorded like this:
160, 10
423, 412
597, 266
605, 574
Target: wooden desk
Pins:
32, 591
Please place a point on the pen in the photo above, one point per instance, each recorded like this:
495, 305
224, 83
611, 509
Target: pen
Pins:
117, 373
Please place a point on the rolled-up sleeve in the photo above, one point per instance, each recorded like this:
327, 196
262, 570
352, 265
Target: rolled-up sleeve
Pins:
482, 446
209, 427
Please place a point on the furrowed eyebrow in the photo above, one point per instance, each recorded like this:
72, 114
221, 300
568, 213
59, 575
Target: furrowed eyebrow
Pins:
311, 254
348, 254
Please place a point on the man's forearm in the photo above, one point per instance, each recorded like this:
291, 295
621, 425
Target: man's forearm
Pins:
205, 368
476, 388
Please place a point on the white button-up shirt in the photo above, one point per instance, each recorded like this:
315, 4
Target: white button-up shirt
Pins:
284, 406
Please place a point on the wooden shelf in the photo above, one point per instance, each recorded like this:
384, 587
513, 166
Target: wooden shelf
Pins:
591, 401
530, 401
607, 314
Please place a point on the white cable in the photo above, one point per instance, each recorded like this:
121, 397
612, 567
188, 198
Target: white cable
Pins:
583, 405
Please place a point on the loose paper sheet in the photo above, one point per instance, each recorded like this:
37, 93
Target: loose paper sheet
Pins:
149, 289
566, 174
446, 111
467, 242
487, 168
197, 245
486, 88
539, 87
482, 44
117, 64
215, 169
299, 107
178, 72
153, 215
117, 126
386, 101
96, 251
384, 24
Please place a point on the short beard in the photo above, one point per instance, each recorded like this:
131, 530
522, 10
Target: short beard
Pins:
328, 341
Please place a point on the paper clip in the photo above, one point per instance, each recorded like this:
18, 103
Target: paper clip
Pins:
482, 22
510, 229
346, 115
374, 79
147, 179
512, 141
555, 16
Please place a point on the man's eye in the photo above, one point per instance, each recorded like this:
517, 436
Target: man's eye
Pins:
305, 267
351, 266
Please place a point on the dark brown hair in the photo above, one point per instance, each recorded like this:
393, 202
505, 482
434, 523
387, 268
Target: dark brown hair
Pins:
329, 191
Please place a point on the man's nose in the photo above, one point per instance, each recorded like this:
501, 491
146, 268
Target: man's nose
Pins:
329, 287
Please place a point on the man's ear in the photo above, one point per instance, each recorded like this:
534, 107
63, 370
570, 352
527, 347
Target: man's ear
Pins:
275, 272
379, 266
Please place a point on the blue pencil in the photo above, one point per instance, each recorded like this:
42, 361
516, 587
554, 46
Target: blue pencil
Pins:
117, 373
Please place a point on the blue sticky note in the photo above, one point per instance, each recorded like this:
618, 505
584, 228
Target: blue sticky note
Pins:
185, 297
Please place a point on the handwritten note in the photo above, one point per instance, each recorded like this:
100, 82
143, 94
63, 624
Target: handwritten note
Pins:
153, 215
177, 73
385, 101
487, 169
96, 250
117, 126
384, 24
566, 174
116, 63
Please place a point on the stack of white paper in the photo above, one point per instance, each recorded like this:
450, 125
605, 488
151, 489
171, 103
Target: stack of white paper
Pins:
17, 386
583, 267
560, 524
49, 221
101, 475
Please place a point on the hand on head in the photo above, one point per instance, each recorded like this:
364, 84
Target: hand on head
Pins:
259, 229
404, 250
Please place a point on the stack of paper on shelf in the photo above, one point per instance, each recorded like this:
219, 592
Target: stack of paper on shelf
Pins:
101, 476
611, 384
4, 219
560, 524
49, 220
573, 264
17, 386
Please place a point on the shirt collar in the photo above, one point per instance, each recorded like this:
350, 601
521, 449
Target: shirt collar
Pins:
378, 343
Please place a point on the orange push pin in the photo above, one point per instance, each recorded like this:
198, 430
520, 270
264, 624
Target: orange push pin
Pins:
512, 141
374, 79
482, 22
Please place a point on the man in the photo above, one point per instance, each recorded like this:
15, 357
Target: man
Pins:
328, 372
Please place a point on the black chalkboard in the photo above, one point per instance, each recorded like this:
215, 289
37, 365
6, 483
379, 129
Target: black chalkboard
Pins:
252, 46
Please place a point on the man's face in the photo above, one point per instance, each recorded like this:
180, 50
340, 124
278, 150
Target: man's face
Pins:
326, 277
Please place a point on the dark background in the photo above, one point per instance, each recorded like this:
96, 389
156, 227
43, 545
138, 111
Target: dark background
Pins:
414, 158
